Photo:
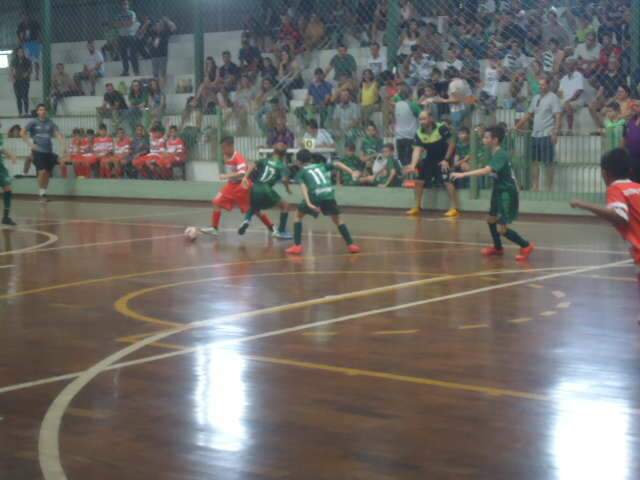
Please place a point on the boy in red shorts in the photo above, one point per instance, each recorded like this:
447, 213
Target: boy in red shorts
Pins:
103, 150
176, 152
85, 161
121, 152
623, 200
233, 194
145, 164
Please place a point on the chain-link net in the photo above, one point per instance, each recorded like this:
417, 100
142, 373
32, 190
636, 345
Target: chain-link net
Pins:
360, 69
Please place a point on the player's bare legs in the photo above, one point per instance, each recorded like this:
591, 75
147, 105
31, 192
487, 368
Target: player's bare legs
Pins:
346, 235
6, 197
297, 249
418, 194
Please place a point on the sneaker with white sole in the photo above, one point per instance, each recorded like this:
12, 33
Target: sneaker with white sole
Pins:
209, 231
282, 235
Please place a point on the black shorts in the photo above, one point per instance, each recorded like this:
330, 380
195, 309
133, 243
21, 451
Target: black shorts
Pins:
45, 161
430, 173
404, 147
327, 207
542, 150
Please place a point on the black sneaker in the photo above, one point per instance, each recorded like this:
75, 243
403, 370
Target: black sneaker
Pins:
243, 228
9, 222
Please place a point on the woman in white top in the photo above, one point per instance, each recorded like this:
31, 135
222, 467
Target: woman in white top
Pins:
409, 37
242, 103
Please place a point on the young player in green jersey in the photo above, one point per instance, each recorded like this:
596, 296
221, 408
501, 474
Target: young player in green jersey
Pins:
389, 173
504, 197
263, 196
5, 184
352, 161
319, 197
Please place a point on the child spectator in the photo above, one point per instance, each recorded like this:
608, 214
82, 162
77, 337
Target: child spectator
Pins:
103, 150
352, 161
614, 125
146, 164
458, 160
139, 148
121, 153
387, 170
176, 153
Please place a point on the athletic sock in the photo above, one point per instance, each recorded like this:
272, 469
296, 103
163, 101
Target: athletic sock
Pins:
43, 191
215, 219
249, 215
282, 226
344, 231
516, 238
297, 233
7, 204
497, 242
264, 218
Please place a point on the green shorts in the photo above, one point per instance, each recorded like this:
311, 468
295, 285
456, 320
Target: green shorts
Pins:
327, 207
504, 206
264, 197
5, 177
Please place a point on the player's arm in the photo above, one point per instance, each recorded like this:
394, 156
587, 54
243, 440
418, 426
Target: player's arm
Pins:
615, 216
27, 139
449, 157
10, 155
62, 140
480, 172
415, 158
341, 166
246, 176
305, 195
287, 185
524, 121
392, 177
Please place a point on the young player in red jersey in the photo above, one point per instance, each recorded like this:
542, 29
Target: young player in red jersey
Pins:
103, 149
157, 148
623, 200
121, 152
74, 150
176, 152
233, 194
86, 159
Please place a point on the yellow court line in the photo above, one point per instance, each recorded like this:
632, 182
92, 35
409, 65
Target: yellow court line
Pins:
395, 332
474, 326
548, 313
167, 346
432, 382
320, 334
521, 320
563, 305
94, 281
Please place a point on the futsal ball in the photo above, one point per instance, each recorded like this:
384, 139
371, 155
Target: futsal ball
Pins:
191, 233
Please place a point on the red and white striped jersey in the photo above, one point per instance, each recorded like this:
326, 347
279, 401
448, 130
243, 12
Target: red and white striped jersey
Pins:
74, 146
122, 147
175, 146
236, 164
623, 196
102, 145
157, 145
86, 145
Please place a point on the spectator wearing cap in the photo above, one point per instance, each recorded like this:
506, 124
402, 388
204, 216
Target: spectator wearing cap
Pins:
342, 63
571, 91
606, 84
588, 55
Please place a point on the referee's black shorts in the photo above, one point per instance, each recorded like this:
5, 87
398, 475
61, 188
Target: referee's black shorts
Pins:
45, 161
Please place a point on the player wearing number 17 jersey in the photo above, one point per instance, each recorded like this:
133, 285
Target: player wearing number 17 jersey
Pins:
319, 197
263, 195
233, 194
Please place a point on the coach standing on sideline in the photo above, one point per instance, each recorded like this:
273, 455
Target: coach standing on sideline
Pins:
38, 135
546, 112
127, 25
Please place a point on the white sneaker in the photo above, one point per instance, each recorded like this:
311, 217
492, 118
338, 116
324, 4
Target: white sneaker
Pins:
209, 231
282, 235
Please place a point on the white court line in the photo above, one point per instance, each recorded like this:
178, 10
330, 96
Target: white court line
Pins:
51, 239
127, 217
6, 266
49, 436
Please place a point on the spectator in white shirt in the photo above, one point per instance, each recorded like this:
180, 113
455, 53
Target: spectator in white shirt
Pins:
452, 60
489, 87
376, 62
571, 91
514, 60
588, 55
419, 65
93, 68
318, 136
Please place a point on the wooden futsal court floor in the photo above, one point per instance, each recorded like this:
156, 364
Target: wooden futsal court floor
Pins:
128, 353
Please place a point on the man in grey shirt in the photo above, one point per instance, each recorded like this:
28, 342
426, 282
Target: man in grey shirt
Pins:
127, 25
346, 118
38, 135
545, 110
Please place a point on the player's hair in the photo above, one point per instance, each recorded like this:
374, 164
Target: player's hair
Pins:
41, 105
389, 146
228, 140
304, 156
313, 123
496, 132
173, 127
613, 105
156, 127
371, 124
102, 126
318, 71
120, 129
317, 158
350, 146
75, 131
464, 130
616, 163
90, 131
625, 88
